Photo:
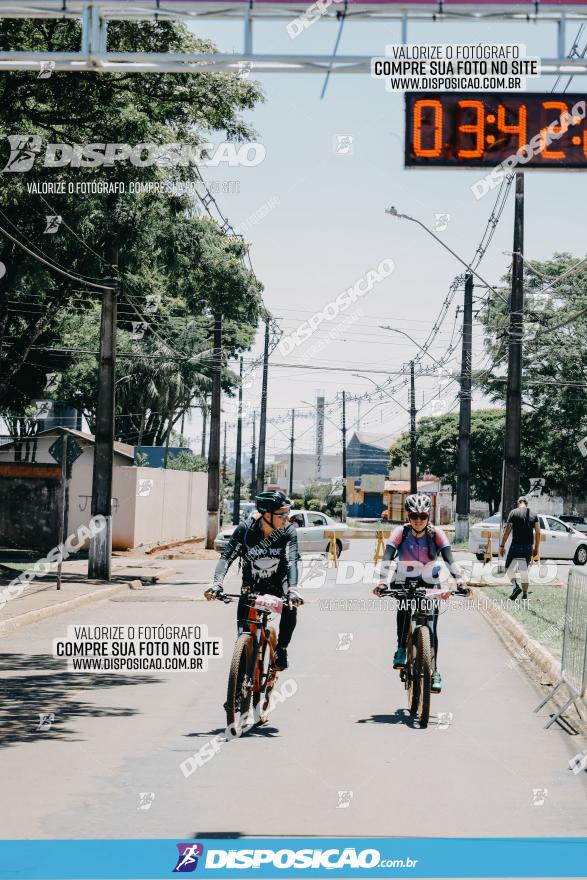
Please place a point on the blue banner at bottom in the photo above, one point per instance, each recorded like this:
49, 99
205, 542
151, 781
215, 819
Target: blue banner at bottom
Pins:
276, 857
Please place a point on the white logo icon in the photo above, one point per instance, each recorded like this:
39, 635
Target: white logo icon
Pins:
578, 762
46, 720
441, 222
146, 798
344, 641
144, 488
539, 795
47, 68
343, 144
53, 223
138, 329
344, 800
444, 720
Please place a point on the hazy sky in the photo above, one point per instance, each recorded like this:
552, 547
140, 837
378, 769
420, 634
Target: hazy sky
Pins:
329, 227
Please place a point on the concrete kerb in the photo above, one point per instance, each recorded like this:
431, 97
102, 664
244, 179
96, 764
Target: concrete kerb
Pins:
106, 589
533, 650
37, 614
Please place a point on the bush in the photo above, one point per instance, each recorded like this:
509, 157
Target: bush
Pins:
187, 461
314, 504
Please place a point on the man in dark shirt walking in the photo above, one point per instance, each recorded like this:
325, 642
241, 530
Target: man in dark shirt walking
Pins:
524, 527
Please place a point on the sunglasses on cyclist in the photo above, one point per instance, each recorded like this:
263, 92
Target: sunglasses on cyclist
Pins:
282, 515
418, 515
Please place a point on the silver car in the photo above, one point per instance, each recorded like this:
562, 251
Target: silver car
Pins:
557, 539
310, 525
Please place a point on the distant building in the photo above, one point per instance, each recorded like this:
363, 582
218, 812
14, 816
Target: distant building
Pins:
368, 453
304, 469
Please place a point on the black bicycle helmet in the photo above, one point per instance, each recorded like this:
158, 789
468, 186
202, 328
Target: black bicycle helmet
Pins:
271, 500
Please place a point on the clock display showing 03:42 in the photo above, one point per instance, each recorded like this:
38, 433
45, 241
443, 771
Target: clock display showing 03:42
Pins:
479, 130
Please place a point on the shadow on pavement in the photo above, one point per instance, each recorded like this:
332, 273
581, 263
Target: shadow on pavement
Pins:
401, 716
42, 691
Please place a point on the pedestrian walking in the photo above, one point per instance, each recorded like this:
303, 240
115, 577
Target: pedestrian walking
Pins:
524, 527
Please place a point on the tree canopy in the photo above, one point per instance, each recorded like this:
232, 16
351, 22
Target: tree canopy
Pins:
176, 269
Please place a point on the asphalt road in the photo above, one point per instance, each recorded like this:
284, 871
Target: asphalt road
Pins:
339, 757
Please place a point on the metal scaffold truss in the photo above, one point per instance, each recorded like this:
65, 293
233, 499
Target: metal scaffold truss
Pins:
95, 16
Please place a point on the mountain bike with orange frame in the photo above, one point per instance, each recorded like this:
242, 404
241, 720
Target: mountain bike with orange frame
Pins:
253, 672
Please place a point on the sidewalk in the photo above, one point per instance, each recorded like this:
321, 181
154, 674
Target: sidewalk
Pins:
41, 599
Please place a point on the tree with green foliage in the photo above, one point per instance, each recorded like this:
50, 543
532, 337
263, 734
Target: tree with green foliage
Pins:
186, 461
554, 370
438, 438
176, 269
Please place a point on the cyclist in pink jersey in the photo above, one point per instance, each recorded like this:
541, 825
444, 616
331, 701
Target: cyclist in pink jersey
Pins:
417, 546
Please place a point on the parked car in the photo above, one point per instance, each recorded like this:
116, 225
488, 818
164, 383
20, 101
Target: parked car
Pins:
310, 525
577, 522
558, 540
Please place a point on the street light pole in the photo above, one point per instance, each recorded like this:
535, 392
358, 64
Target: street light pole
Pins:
344, 456
263, 421
214, 449
513, 413
239, 440
291, 453
464, 450
413, 435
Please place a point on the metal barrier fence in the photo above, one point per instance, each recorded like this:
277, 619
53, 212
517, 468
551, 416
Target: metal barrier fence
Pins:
574, 659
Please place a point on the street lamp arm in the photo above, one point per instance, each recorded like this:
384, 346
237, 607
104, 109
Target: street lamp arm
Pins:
417, 344
394, 213
384, 390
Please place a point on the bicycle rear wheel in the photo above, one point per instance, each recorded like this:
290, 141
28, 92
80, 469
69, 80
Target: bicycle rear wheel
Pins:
423, 673
240, 684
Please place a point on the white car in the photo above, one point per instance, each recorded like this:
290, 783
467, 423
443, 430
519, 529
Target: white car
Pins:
557, 539
310, 525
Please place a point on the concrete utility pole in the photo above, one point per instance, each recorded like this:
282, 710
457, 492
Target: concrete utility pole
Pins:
344, 456
239, 442
263, 422
510, 488
413, 435
291, 452
319, 434
253, 475
214, 453
204, 418
100, 552
464, 451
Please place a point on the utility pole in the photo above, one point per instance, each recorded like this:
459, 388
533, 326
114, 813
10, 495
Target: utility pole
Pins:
464, 451
413, 435
236, 507
344, 456
214, 452
253, 477
224, 458
204, 418
291, 453
510, 487
319, 434
100, 551
263, 422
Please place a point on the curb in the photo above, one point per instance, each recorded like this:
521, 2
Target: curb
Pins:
533, 650
28, 617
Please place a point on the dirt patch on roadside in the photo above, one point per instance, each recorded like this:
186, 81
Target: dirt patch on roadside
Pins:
195, 549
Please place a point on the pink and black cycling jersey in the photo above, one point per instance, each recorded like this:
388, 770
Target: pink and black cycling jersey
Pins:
414, 554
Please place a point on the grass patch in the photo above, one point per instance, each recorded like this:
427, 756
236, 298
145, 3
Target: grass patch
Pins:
543, 618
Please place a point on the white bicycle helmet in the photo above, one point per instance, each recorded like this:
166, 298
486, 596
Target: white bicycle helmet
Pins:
418, 503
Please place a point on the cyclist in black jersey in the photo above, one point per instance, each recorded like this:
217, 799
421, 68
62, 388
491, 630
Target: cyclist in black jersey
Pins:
268, 548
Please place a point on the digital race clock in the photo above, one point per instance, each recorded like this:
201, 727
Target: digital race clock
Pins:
478, 130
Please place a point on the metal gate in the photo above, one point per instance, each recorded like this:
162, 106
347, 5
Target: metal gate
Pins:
574, 659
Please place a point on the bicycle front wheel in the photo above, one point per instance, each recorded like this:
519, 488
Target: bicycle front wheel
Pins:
240, 684
423, 672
